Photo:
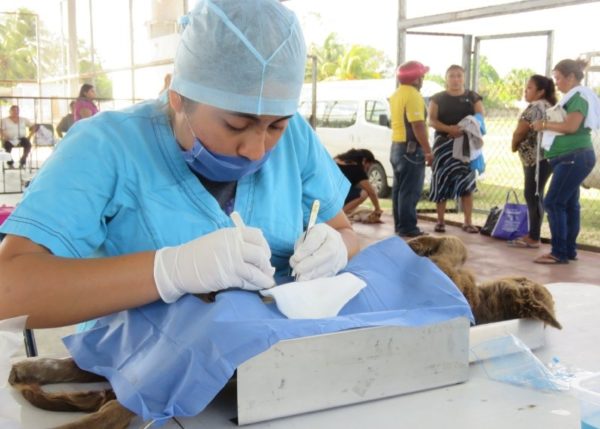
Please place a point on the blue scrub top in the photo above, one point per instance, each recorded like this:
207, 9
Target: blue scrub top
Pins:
118, 184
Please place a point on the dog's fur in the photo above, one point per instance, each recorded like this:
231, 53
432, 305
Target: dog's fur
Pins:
502, 299
365, 216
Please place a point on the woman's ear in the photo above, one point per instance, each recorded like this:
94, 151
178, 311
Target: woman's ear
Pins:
175, 101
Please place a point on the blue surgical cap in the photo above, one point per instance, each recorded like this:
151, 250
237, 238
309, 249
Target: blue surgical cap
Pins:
241, 55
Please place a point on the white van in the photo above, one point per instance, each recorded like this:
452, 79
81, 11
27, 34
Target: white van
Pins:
355, 114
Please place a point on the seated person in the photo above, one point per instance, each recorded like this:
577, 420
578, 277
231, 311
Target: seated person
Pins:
13, 131
66, 121
355, 164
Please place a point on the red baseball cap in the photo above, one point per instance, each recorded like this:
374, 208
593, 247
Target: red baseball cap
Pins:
410, 71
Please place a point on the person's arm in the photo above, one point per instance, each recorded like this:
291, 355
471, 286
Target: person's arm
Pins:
368, 188
436, 124
84, 112
520, 134
420, 131
56, 291
478, 107
32, 130
571, 124
61, 127
342, 225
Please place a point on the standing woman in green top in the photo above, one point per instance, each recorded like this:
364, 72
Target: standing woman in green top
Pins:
571, 156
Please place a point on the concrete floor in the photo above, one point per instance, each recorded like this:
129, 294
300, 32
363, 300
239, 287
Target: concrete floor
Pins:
490, 258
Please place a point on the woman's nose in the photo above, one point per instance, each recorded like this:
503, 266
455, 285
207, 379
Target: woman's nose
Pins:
254, 146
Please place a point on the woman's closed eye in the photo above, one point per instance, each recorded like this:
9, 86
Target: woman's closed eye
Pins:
237, 126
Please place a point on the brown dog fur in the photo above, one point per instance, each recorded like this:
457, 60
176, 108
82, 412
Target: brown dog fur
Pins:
106, 413
365, 216
493, 301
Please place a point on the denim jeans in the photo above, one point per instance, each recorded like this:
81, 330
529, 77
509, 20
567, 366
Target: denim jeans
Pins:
534, 202
562, 200
409, 175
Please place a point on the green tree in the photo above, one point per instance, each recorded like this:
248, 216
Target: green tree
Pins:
363, 62
488, 79
512, 86
328, 58
19, 52
338, 61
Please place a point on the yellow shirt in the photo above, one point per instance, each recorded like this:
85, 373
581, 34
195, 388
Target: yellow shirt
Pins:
406, 106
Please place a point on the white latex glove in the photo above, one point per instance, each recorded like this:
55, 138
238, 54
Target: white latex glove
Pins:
229, 257
322, 254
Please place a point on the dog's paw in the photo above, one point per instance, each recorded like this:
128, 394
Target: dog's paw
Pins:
24, 372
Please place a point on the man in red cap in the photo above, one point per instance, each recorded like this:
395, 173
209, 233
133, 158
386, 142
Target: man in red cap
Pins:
410, 147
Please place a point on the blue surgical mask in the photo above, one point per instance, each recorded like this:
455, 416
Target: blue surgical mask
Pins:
217, 167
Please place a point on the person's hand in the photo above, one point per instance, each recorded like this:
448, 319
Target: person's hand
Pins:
229, 257
538, 125
322, 254
428, 158
455, 131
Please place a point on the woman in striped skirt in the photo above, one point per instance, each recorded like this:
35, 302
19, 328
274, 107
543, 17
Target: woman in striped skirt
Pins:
452, 177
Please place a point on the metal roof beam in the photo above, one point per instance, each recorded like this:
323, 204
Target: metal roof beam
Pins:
487, 11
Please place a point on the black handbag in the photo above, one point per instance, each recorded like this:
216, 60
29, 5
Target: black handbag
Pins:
491, 221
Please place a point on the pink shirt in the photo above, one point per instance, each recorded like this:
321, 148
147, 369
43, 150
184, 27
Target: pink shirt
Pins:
83, 103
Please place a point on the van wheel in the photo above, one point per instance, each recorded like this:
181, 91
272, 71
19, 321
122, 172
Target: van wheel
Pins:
378, 180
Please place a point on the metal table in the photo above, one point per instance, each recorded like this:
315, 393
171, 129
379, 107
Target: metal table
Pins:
478, 403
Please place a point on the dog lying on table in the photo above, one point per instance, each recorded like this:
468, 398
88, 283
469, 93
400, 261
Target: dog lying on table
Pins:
493, 301
502, 299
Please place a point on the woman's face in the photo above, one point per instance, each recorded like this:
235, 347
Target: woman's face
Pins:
532, 93
564, 83
230, 133
91, 93
455, 80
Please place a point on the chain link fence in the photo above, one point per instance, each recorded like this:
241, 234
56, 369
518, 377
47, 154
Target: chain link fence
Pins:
504, 172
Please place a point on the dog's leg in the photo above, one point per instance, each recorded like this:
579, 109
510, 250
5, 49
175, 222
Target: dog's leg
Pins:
111, 416
48, 371
27, 376
65, 401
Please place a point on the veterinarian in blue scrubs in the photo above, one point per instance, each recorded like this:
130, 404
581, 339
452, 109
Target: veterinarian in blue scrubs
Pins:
134, 205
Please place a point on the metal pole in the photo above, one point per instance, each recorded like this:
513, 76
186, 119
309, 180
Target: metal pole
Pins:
475, 86
131, 52
38, 53
466, 58
73, 54
90, 2
313, 112
30, 346
549, 50
401, 34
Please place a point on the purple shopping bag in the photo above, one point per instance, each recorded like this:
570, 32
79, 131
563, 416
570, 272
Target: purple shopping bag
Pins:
513, 221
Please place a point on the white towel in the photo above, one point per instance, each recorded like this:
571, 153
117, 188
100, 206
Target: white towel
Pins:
592, 119
315, 299
470, 126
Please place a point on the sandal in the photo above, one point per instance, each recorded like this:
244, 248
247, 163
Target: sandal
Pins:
440, 227
471, 229
549, 259
523, 243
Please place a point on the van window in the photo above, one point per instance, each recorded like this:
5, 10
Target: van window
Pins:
341, 114
373, 109
305, 110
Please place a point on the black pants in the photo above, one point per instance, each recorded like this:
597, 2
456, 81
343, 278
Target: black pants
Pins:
535, 202
24, 143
